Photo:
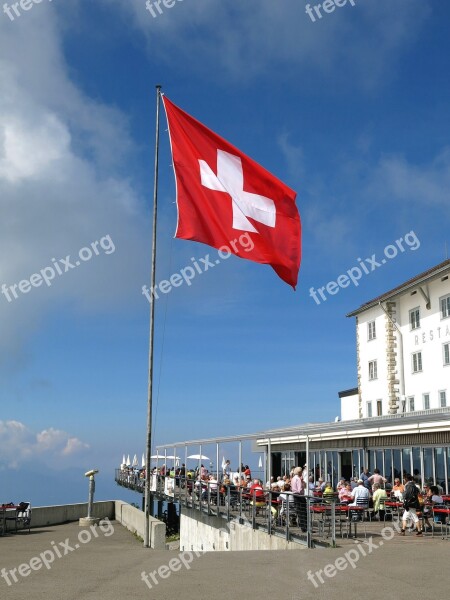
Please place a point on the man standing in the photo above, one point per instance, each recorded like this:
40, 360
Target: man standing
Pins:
377, 478
365, 478
298, 489
411, 505
226, 471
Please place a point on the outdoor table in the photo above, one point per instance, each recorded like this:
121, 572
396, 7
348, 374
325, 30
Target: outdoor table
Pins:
348, 508
3, 513
325, 510
394, 505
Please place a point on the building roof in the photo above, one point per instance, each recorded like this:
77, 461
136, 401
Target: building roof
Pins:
424, 277
346, 393
371, 426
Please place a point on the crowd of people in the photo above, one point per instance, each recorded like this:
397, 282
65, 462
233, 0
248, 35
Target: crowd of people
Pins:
368, 489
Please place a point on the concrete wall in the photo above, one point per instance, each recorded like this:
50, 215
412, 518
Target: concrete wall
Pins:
202, 533
130, 517
43, 516
134, 520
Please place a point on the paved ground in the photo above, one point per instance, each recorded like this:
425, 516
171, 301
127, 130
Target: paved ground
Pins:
109, 567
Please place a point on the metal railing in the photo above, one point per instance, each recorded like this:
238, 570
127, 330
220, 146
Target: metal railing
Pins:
131, 480
305, 520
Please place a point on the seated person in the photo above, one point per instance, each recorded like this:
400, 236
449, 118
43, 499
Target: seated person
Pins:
211, 483
432, 498
342, 483
398, 490
257, 493
345, 494
320, 486
285, 499
360, 495
360, 498
270, 483
328, 493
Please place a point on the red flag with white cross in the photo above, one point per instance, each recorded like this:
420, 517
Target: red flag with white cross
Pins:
223, 194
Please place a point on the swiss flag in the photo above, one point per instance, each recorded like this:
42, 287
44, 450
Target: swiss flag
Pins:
223, 196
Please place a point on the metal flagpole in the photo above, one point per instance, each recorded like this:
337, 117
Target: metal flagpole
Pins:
152, 330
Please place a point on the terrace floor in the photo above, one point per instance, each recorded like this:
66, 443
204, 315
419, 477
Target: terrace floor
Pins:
109, 568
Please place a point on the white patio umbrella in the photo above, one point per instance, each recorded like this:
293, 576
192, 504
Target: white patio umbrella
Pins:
128, 463
260, 462
143, 461
224, 463
123, 460
171, 457
135, 461
198, 457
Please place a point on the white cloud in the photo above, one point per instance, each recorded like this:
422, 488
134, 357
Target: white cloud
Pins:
61, 188
415, 184
243, 40
19, 445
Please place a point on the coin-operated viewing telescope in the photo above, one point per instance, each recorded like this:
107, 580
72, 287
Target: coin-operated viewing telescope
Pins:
90, 520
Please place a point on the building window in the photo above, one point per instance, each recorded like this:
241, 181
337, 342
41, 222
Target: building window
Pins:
443, 399
417, 362
371, 332
369, 409
446, 354
373, 369
445, 307
411, 403
426, 401
414, 318
379, 408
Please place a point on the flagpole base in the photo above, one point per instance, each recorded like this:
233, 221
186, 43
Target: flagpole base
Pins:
88, 521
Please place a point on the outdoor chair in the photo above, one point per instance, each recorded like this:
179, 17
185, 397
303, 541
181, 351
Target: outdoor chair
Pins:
23, 516
440, 521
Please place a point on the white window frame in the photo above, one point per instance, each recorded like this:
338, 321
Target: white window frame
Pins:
446, 354
442, 395
369, 409
374, 374
427, 396
444, 306
411, 403
414, 325
413, 355
371, 331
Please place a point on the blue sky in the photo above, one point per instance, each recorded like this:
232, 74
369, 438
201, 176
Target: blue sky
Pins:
350, 111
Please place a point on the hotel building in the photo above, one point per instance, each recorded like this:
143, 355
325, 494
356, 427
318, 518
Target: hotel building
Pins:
398, 417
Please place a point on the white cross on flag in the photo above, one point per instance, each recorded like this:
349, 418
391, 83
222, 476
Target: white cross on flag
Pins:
221, 193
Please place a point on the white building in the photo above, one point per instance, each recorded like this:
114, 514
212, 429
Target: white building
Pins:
403, 349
